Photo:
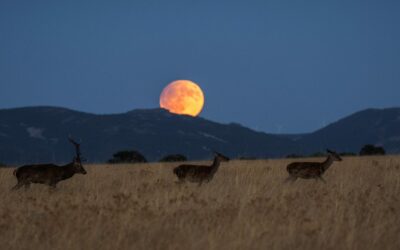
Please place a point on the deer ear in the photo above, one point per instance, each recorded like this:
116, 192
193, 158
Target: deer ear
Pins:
216, 152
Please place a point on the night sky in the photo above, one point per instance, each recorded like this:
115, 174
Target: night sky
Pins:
275, 66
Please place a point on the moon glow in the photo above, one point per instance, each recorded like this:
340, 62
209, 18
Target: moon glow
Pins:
182, 97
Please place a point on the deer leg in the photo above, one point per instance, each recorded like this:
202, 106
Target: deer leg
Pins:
180, 181
321, 179
53, 185
290, 179
18, 186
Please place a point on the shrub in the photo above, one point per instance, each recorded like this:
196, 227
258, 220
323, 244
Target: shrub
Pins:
127, 156
173, 158
347, 154
294, 156
370, 149
247, 158
318, 154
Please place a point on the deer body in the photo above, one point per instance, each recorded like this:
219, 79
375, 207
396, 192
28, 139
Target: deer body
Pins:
199, 173
48, 174
311, 170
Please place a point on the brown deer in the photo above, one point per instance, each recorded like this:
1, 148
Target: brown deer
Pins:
311, 170
199, 173
49, 174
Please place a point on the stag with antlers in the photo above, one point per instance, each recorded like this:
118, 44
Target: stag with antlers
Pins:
49, 174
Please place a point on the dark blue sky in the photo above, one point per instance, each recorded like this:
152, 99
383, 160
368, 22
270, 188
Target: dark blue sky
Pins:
276, 66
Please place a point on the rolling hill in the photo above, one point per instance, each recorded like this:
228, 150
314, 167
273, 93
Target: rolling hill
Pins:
374, 126
39, 134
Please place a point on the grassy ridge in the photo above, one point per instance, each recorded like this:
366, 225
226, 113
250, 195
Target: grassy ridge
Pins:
246, 206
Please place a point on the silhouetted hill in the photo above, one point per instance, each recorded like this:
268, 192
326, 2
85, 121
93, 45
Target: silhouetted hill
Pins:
371, 126
39, 134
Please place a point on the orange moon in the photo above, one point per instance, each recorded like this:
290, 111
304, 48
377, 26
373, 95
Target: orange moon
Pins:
182, 97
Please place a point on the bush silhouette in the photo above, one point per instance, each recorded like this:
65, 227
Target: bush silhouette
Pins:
317, 154
347, 154
127, 156
247, 158
294, 156
173, 158
370, 149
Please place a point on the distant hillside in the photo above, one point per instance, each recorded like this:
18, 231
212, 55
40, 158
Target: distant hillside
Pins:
375, 126
39, 134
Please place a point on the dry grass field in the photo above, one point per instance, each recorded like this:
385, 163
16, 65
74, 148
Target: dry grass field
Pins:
246, 206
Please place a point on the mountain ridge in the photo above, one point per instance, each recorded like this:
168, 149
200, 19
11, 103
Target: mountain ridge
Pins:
36, 134
39, 134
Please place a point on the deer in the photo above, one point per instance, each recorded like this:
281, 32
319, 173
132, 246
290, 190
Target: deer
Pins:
311, 170
49, 174
199, 173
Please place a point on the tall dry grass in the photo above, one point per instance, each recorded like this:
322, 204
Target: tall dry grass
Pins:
246, 206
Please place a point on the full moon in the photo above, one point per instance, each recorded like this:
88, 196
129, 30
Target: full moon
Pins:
182, 97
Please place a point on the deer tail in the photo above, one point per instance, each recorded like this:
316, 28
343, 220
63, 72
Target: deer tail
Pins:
15, 172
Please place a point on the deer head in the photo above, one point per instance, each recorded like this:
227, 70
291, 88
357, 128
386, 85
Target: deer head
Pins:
221, 157
335, 156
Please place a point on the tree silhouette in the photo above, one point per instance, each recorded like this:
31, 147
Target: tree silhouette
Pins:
127, 156
370, 149
173, 158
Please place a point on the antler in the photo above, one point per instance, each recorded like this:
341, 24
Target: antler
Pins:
214, 151
77, 147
